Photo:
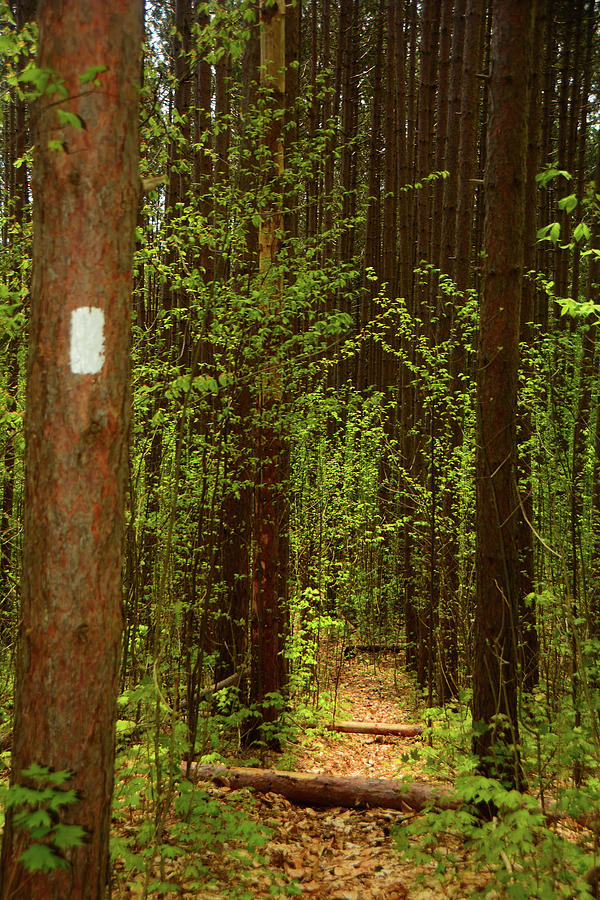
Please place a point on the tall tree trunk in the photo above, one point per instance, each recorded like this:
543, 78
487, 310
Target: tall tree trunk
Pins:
407, 390
497, 563
179, 176
367, 373
401, 51
469, 106
348, 38
447, 675
236, 514
528, 636
593, 287
392, 150
447, 21
269, 571
424, 312
76, 434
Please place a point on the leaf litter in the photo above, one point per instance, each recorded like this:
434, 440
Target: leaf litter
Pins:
329, 853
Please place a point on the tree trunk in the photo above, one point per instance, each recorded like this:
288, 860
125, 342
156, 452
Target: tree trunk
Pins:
424, 316
497, 559
269, 575
368, 374
528, 636
76, 433
447, 21
593, 285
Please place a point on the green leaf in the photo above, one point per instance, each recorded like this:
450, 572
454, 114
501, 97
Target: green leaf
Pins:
91, 73
568, 203
38, 818
549, 232
66, 117
32, 74
65, 836
41, 858
582, 232
8, 45
62, 798
549, 174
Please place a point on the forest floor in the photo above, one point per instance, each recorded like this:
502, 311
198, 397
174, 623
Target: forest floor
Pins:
332, 853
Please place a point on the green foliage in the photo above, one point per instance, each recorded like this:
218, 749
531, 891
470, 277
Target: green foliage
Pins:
91, 75
36, 814
518, 854
160, 817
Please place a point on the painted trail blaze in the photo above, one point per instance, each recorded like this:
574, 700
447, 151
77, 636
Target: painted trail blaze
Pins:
87, 340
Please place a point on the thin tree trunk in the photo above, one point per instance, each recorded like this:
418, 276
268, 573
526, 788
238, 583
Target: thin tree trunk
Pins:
269, 570
497, 559
367, 374
528, 636
593, 286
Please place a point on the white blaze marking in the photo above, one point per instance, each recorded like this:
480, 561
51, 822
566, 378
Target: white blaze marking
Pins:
87, 340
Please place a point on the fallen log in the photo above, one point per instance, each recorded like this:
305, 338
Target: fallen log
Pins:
202, 694
352, 649
5, 741
376, 728
226, 682
308, 789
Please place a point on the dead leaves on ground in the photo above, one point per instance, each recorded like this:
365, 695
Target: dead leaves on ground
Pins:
335, 853
329, 854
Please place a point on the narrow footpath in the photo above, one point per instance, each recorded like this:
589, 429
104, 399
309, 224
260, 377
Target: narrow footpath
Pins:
337, 853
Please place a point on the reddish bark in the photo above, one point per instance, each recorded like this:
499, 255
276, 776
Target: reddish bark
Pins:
497, 567
469, 104
428, 87
527, 612
269, 576
76, 432
451, 158
369, 360
442, 122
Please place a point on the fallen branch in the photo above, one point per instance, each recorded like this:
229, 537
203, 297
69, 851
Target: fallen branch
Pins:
306, 788
230, 681
376, 728
225, 683
353, 649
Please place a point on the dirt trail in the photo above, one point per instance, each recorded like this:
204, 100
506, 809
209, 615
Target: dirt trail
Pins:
369, 695
342, 854
334, 853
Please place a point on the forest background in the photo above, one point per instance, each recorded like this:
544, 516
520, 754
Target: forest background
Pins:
364, 402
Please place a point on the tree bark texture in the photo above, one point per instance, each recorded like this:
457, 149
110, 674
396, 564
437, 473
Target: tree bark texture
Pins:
388, 728
329, 790
269, 575
497, 562
527, 611
76, 428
